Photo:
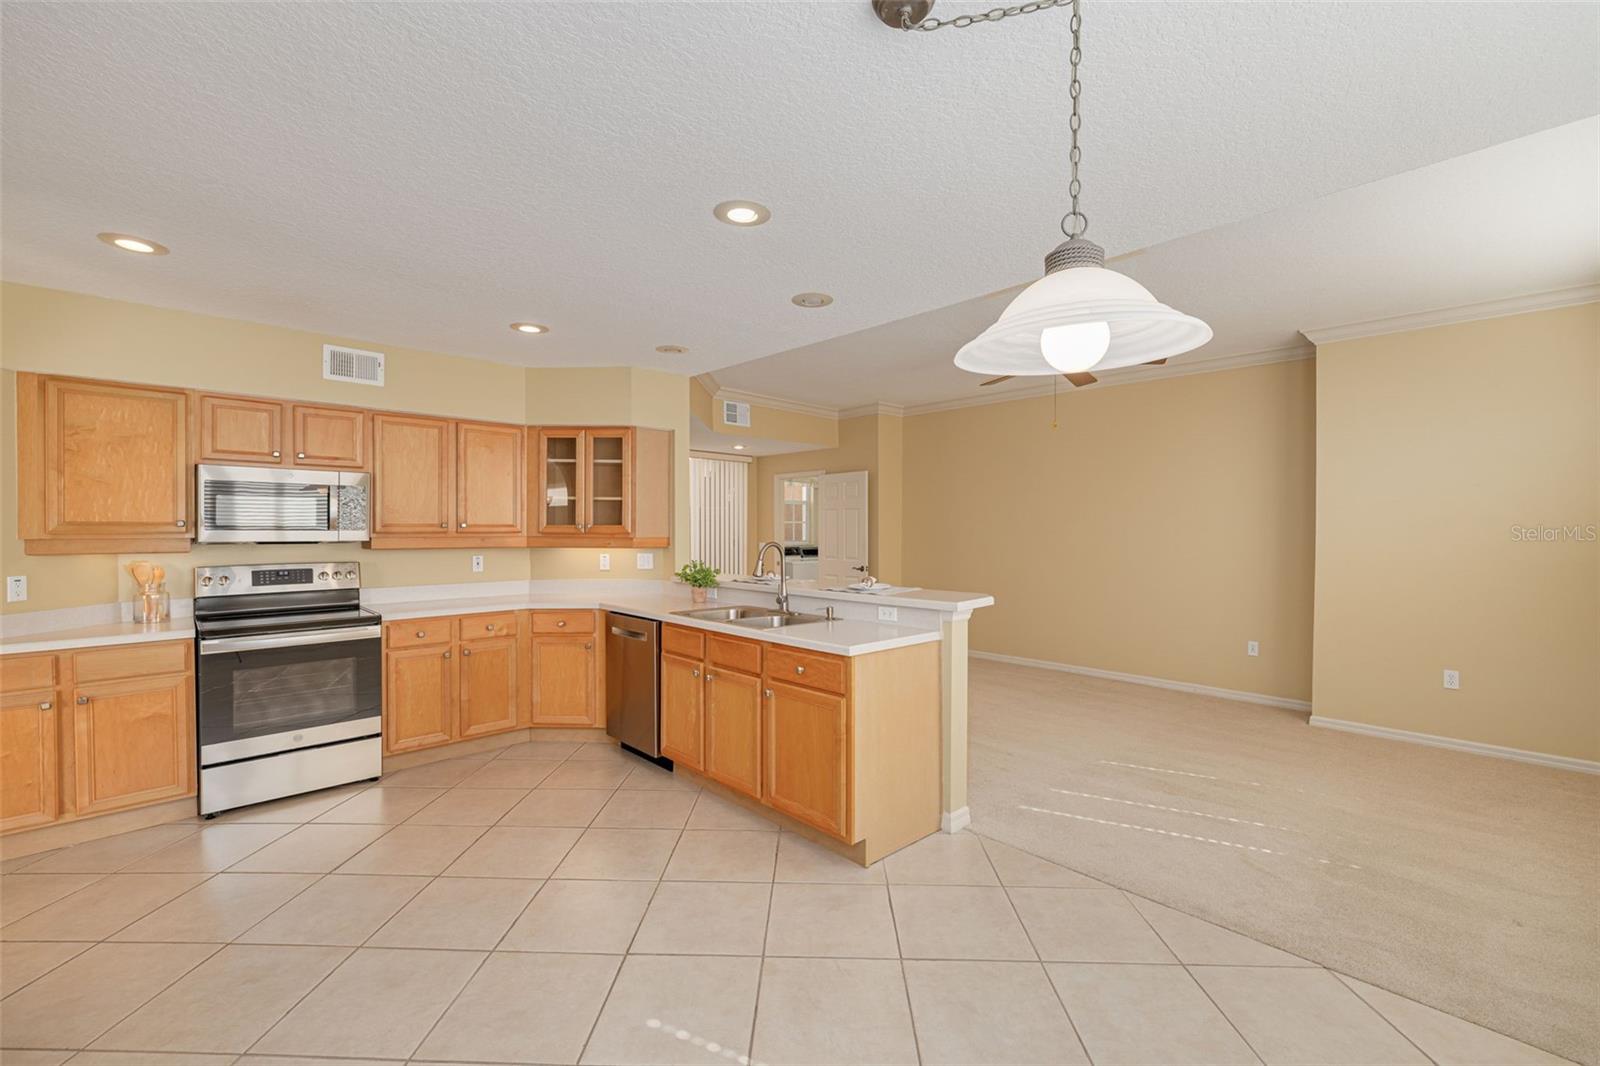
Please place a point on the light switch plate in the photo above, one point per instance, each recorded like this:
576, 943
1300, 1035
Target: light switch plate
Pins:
477, 564
605, 560
1452, 679
1252, 647
16, 589
888, 614
645, 561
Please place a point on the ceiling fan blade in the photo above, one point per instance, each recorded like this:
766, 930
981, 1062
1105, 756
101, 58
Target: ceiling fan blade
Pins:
995, 381
1155, 362
1084, 378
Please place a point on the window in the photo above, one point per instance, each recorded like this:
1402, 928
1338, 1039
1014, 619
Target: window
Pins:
795, 519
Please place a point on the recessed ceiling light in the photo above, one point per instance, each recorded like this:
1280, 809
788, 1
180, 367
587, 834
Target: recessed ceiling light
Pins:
529, 327
811, 299
671, 349
129, 243
741, 212
738, 447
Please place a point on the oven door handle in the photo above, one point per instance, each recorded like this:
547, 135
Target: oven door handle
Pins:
289, 640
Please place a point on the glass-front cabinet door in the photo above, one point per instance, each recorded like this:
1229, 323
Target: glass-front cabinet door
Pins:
608, 482
561, 469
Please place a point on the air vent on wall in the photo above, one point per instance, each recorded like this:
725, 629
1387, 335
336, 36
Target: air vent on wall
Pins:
735, 414
352, 364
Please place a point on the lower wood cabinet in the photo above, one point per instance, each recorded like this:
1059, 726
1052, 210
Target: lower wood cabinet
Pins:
95, 730
805, 755
682, 711
733, 729
30, 789
564, 673
419, 697
488, 692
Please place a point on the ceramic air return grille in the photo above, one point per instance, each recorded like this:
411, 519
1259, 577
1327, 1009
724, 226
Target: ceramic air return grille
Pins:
735, 414
352, 364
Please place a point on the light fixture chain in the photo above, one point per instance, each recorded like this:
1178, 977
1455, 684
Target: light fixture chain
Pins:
1075, 223
992, 15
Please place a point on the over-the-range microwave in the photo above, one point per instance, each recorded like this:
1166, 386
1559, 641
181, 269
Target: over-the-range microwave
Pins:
244, 504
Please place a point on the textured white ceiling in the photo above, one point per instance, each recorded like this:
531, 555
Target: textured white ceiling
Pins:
424, 174
1519, 218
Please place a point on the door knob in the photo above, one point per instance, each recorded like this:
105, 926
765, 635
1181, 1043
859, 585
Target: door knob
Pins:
768, 693
444, 525
710, 676
694, 673
489, 626
588, 647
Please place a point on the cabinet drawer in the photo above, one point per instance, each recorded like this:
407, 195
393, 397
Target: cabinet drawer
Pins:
563, 621
134, 660
479, 626
415, 632
733, 653
689, 643
21, 672
825, 672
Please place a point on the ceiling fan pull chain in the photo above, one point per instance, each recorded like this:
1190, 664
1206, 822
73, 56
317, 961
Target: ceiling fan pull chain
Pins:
913, 14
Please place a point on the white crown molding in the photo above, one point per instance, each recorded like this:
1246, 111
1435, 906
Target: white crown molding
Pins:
1126, 376
893, 410
775, 402
1473, 747
709, 382
1447, 316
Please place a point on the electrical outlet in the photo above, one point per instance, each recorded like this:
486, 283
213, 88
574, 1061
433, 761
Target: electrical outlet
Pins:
888, 614
16, 589
477, 564
1252, 647
645, 561
1452, 679
605, 560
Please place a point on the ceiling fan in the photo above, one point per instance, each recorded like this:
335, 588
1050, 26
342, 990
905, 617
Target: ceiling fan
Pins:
1083, 377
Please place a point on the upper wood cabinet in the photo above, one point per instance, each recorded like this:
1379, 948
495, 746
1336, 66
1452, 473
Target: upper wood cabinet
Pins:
102, 467
600, 486
329, 436
234, 429
489, 479
413, 465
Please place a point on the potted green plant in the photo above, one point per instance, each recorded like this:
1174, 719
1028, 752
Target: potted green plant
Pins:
699, 577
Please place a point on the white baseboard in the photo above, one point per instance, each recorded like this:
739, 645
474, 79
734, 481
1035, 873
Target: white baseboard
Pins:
1560, 762
955, 821
1153, 682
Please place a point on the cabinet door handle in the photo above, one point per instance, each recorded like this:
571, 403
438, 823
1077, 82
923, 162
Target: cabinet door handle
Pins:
182, 523
278, 455
444, 525
463, 525
768, 693
299, 455
489, 626
464, 652
694, 673
421, 633
447, 655
83, 699
589, 646
561, 623
799, 669
45, 706
710, 676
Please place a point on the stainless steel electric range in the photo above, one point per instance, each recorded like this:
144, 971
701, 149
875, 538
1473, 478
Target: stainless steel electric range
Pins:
289, 680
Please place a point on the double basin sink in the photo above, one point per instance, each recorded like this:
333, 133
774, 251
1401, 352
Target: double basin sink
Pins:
754, 617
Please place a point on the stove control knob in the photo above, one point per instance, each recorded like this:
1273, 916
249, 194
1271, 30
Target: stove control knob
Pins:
205, 582
322, 576
349, 575
224, 580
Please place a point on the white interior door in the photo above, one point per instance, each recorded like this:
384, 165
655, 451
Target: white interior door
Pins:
841, 527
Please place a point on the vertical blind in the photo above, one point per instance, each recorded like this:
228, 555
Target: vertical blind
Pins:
718, 511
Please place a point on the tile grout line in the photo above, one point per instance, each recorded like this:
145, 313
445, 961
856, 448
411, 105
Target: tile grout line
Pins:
1043, 968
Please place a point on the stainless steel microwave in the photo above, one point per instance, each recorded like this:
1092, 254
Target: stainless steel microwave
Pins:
258, 504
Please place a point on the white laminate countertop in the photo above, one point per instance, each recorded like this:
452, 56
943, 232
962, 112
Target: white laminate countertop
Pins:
942, 600
839, 637
97, 636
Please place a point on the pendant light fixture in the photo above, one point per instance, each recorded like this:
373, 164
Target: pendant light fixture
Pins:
1079, 316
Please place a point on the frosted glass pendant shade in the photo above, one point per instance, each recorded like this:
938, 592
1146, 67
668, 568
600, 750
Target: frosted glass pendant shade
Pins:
1023, 340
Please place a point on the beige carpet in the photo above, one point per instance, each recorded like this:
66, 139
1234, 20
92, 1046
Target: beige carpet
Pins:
1471, 884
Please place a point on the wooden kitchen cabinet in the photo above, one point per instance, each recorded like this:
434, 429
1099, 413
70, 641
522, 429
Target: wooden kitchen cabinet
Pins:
682, 711
805, 756
733, 729
413, 475
564, 671
133, 741
600, 486
102, 467
419, 697
489, 479
236, 429
488, 686
334, 437
30, 760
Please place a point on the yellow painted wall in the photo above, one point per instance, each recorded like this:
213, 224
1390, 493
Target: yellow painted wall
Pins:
872, 443
1434, 447
50, 331
1160, 528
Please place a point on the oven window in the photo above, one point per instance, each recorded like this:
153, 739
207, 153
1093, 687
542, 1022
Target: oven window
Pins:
258, 693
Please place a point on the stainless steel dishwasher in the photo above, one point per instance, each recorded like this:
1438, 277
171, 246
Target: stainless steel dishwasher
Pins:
633, 673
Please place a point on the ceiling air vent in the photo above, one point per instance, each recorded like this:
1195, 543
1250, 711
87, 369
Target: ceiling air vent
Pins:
352, 364
735, 414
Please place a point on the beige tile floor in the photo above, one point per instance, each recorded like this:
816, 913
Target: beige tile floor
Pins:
560, 902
